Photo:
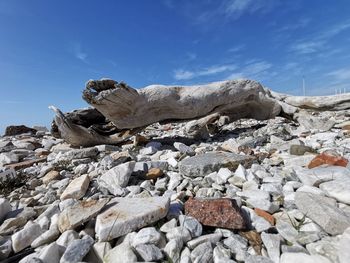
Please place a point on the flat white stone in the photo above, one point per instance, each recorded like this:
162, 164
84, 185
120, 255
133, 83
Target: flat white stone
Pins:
212, 238
257, 259
125, 215
173, 249
323, 211
191, 224
148, 150
222, 254
318, 175
98, 251
122, 253
327, 247
253, 194
304, 258
51, 253
223, 175
79, 213
338, 189
77, 188
344, 247
185, 255
179, 232
7, 158
238, 246
23, 145
77, 250
263, 204
147, 235
291, 161
67, 237
272, 243
202, 253
183, 148
287, 231
117, 177
310, 189
47, 237
24, 237
149, 252
166, 227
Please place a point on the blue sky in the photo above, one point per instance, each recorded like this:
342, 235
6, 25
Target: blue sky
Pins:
49, 49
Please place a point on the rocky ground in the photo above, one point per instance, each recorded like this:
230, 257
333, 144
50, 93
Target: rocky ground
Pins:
254, 191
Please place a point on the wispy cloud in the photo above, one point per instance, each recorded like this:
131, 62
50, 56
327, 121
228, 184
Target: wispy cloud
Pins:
319, 42
181, 74
340, 74
78, 52
191, 56
301, 23
237, 8
236, 48
230, 10
335, 30
307, 47
256, 70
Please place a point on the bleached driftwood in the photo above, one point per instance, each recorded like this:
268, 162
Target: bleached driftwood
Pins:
129, 108
71, 127
316, 103
124, 111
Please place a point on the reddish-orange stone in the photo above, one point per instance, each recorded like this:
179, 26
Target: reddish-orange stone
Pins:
346, 128
221, 212
265, 215
325, 158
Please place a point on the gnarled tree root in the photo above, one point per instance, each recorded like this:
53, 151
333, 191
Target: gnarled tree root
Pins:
121, 111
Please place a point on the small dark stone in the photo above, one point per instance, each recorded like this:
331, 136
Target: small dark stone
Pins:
300, 149
203, 164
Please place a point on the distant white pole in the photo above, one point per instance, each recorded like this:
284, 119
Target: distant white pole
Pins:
344, 90
304, 86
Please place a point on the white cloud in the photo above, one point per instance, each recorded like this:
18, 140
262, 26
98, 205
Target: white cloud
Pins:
340, 74
257, 67
319, 42
216, 69
181, 74
335, 30
257, 70
191, 56
307, 47
237, 8
78, 52
231, 9
301, 23
236, 48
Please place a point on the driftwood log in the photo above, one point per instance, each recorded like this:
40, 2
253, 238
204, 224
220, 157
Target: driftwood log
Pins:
119, 111
79, 128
